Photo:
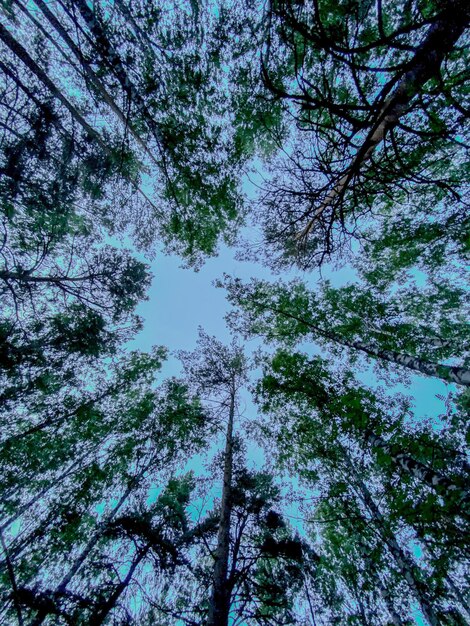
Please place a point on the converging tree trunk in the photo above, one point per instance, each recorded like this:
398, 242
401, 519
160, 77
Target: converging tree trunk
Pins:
421, 471
101, 614
407, 568
219, 604
448, 373
20, 52
92, 542
91, 75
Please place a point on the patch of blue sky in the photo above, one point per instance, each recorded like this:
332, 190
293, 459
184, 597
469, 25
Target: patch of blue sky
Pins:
418, 616
153, 493
15, 528
100, 508
416, 549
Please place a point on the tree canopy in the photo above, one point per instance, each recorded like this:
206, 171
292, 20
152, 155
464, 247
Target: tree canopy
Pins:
289, 475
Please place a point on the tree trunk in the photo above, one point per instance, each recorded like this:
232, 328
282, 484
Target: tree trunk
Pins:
99, 617
441, 38
401, 459
75, 466
448, 373
406, 566
12, 577
20, 52
81, 558
385, 595
416, 468
384, 592
61, 419
113, 60
219, 604
99, 86
454, 590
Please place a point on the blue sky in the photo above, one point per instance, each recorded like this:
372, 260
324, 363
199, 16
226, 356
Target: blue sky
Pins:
182, 300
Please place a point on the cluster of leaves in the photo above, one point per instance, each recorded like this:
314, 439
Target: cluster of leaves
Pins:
125, 104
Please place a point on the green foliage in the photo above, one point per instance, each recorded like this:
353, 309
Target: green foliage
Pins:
386, 323
138, 122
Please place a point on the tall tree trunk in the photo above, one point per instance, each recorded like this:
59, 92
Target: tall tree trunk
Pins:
12, 577
454, 590
81, 558
416, 468
408, 569
383, 590
405, 461
58, 420
90, 74
448, 373
114, 62
441, 38
92, 542
219, 604
20, 52
385, 595
75, 466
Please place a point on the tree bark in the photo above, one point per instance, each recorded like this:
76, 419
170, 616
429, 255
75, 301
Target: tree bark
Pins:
421, 471
384, 592
219, 604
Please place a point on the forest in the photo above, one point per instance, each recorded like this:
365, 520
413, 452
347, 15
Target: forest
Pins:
309, 465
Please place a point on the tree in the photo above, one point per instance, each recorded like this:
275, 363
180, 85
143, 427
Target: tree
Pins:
252, 569
220, 371
347, 443
407, 328
372, 102
127, 127
267, 560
